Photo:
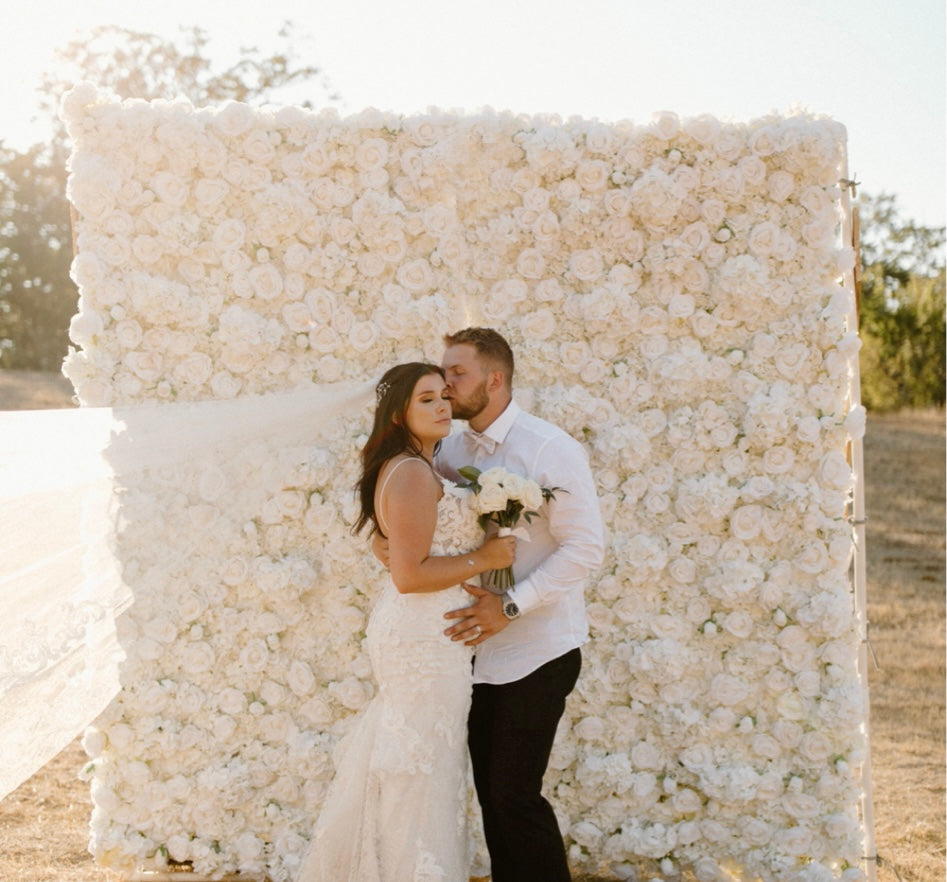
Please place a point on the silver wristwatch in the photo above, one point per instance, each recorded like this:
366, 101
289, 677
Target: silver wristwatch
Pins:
510, 609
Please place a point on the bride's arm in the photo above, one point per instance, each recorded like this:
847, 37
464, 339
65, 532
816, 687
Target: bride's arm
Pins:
409, 507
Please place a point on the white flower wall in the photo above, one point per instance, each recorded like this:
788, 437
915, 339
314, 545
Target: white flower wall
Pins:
672, 292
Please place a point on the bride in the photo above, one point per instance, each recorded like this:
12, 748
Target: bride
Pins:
397, 807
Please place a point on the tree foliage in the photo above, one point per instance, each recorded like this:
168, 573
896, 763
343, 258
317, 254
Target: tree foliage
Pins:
901, 313
37, 297
136, 64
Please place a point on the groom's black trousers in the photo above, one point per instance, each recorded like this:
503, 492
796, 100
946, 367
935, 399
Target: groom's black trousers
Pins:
510, 734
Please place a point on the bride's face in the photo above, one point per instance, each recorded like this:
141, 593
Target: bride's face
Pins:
428, 415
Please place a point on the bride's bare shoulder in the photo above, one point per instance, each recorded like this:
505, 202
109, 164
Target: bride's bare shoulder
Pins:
406, 471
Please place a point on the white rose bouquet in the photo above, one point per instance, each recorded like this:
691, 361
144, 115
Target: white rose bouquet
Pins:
502, 498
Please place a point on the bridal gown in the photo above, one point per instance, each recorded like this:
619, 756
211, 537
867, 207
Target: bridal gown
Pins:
397, 808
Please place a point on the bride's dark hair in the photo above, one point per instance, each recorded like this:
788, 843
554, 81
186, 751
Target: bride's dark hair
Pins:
390, 434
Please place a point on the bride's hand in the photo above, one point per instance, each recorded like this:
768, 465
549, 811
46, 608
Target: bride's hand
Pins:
499, 552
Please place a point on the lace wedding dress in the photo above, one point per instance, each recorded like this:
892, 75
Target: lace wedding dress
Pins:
397, 808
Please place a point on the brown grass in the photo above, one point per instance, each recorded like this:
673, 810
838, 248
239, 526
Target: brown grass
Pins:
43, 824
904, 470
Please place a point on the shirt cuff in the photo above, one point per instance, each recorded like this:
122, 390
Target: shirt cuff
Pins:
525, 596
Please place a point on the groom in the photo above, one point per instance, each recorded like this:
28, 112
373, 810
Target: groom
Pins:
527, 657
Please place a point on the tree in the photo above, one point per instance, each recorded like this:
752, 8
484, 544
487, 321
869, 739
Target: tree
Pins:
902, 308
135, 64
37, 297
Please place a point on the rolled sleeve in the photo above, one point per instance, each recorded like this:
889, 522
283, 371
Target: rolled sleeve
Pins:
574, 522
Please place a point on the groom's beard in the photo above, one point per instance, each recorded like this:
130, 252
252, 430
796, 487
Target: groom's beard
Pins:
467, 409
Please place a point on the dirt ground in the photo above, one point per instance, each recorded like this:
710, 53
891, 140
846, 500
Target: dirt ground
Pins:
43, 824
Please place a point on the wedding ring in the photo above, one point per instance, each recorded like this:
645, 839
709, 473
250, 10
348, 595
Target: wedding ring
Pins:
477, 629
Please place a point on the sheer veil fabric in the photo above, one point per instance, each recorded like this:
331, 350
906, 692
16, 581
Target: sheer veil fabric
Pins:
62, 589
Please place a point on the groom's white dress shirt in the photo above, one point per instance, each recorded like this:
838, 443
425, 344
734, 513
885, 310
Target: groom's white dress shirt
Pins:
566, 542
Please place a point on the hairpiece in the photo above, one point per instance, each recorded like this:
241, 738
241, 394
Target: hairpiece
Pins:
381, 390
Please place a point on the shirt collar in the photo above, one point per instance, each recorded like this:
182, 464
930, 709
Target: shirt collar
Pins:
500, 427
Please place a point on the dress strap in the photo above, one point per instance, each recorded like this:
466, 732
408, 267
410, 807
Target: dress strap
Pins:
381, 492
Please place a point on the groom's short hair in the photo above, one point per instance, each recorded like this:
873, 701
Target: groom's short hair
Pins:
491, 347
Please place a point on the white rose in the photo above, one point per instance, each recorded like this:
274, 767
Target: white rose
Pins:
196, 658
363, 335
87, 271
317, 711
593, 175
211, 191
147, 249
855, 422
586, 834
801, 805
780, 185
319, 516
790, 360
274, 728
686, 801
745, 522
813, 557
351, 692
491, 498
85, 327
808, 429
416, 276
697, 758
681, 306
266, 281
225, 385
94, 742
254, 656
371, 264
728, 690
765, 746
617, 202
104, 797
778, 460
590, 728
531, 264
665, 125
574, 355
586, 266
234, 118
539, 324
249, 848
683, 571
645, 755
195, 368
170, 188
146, 366
739, 624
763, 238
230, 234
835, 472
371, 153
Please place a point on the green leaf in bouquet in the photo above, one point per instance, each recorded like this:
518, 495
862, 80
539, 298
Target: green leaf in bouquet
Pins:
471, 473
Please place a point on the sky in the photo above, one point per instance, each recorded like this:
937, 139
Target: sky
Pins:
875, 65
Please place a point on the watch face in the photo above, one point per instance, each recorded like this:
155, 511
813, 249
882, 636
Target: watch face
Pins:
511, 610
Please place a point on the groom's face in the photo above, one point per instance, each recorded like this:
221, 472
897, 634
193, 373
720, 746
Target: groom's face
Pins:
466, 381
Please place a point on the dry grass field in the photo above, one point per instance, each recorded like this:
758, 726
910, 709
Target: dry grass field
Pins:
43, 823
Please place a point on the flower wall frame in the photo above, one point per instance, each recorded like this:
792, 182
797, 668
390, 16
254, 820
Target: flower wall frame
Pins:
673, 295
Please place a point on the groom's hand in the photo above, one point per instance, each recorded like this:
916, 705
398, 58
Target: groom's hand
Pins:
479, 621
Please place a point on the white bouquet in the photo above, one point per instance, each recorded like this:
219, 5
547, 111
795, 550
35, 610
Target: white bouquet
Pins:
502, 498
